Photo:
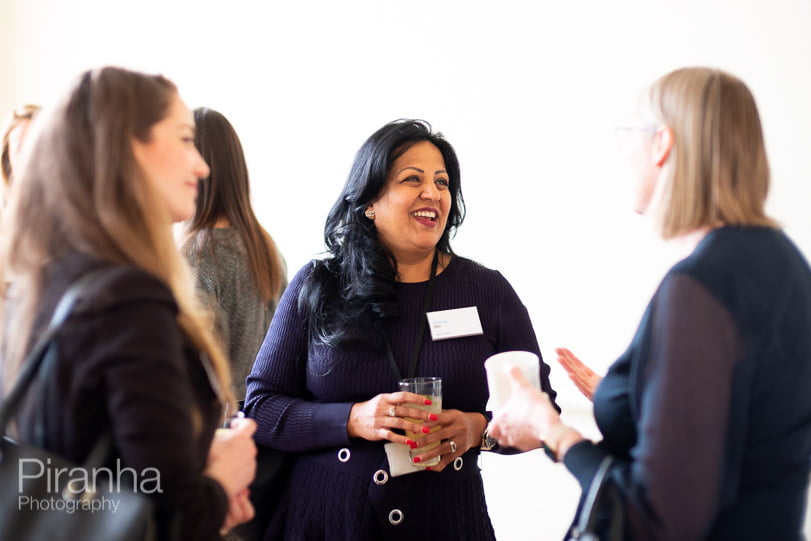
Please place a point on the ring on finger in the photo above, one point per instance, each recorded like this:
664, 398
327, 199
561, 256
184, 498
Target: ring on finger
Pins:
453, 445
392, 412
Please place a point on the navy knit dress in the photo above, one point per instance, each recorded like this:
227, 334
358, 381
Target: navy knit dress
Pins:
301, 394
709, 410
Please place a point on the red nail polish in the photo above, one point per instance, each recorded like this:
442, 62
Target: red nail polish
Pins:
428, 402
410, 442
413, 444
417, 460
428, 468
433, 417
425, 430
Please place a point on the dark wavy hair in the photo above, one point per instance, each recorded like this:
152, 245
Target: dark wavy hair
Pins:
348, 293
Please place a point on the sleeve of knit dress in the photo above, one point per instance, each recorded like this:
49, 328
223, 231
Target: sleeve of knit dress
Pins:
517, 333
277, 395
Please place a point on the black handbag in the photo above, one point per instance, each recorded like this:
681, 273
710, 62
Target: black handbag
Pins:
602, 515
45, 497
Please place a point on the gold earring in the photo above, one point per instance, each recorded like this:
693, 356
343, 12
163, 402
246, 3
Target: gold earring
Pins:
370, 213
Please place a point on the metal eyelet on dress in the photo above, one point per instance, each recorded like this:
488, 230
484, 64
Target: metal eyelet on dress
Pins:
380, 477
396, 517
344, 454
458, 462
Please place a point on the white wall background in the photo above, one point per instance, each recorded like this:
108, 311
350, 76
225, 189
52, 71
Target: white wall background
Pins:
528, 93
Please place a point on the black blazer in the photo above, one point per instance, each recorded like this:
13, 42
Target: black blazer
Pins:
125, 366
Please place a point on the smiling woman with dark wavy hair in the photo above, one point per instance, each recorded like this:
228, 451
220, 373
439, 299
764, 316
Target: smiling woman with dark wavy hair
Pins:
350, 326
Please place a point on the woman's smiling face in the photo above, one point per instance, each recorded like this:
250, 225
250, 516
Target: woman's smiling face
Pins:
412, 212
171, 162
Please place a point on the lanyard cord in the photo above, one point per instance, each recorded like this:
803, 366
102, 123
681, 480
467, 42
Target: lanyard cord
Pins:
415, 352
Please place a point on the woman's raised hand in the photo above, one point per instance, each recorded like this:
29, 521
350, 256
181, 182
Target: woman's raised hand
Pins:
583, 377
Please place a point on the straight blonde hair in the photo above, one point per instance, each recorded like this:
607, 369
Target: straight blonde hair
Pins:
717, 171
82, 191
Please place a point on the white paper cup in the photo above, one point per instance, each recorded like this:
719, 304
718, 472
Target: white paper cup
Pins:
498, 367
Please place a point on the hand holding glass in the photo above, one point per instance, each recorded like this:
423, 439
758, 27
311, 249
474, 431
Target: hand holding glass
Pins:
430, 388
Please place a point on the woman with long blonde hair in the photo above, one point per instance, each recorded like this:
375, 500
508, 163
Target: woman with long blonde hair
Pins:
112, 167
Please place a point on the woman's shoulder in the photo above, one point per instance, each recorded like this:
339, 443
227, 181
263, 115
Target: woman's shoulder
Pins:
210, 246
115, 286
736, 254
745, 268
463, 269
308, 268
121, 292
302, 276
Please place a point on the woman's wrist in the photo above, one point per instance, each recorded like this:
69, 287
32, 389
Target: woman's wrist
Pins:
351, 425
478, 427
559, 439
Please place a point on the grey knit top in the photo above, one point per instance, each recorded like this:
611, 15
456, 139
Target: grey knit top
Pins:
226, 286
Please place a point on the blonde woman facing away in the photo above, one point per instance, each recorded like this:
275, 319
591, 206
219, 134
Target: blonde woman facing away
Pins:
111, 169
708, 412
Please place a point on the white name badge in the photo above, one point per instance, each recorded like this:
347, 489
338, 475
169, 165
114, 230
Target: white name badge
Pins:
400, 459
454, 323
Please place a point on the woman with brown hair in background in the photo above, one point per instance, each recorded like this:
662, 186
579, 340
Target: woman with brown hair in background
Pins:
240, 273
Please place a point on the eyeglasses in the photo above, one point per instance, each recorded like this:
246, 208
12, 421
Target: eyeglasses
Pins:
629, 136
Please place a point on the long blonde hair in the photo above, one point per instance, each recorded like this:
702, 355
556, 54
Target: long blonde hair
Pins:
82, 190
717, 171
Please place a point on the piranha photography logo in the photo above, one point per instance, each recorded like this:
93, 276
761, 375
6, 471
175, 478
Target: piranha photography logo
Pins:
79, 489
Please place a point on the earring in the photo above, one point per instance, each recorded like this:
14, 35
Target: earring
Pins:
370, 213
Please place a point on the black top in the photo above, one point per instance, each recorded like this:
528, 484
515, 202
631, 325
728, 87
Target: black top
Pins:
124, 366
709, 409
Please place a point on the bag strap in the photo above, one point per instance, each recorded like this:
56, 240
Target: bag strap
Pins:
34, 359
586, 518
